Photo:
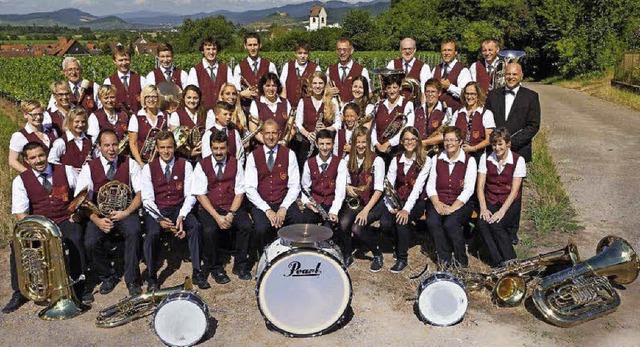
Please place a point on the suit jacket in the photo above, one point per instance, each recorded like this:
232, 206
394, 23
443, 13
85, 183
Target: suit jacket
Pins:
523, 121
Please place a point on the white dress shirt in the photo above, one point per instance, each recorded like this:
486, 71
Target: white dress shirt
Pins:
143, 81
52, 101
59, 147
519, 171
285, 70
19, 197
18, 141
273, 106
349, 65
237, 72
193, 76
418, 187
93, 128
340, 182
378, 172
200, 181
469, 176
174, 119
133, 122
408, 111
508, 101
251, 185
148, 194
425, 72
206, 143
151, 77
473, 69
463, 78
337, 119
85, 178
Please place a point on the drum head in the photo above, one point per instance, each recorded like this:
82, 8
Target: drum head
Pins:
442, 302
304, 292
181, 319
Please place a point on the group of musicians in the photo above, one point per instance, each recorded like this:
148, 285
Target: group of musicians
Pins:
320, 151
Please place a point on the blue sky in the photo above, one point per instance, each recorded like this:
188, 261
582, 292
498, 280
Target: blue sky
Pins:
102, 7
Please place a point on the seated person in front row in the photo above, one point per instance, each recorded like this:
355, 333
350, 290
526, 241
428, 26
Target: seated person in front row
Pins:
218, 184
363, 204
500, 176
324, 177
450, 185
272, 185
407, 175
166, 186
46, 190
100, 229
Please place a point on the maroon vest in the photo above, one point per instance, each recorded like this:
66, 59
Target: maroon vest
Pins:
220, 192
186, 120
32, 137
88, 103
345, 87
360, 178
311, 115
73, 156
405, 182
323, 185
57, 121
294, 83
168, 194
231, 139
246, 71
144, 127
210, 90
449, 186
452, 76
498, 186
121, 124
477, 129
342, 141
420, 122
482, 77
398, 64
129, 97
280, 116
175, 76
99, 176
51, 205
272, 185
384, 117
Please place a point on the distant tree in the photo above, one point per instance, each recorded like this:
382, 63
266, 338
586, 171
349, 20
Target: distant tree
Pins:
192, 31
361, 28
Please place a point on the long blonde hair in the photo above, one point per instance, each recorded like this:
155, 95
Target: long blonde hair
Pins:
327, 99
237, 116
368, 153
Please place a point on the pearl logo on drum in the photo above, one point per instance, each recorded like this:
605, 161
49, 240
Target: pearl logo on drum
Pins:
296, 270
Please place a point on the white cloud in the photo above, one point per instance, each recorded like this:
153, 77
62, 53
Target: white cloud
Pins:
181, 2
82, 2
140, 2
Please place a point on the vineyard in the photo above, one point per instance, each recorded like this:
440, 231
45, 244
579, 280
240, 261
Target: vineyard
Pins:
30, 78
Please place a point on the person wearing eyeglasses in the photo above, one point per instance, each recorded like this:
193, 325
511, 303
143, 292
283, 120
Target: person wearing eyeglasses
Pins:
33, 131
86, 96
148, 119
430, 117
56, 115
475, 121
345, 71
412, 67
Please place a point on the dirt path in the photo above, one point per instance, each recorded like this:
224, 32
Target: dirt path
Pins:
583, 130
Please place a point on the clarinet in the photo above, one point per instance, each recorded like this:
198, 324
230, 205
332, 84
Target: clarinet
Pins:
321, 211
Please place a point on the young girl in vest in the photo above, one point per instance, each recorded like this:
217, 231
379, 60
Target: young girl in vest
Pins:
150, 119
191, 115
362, 204
73, 148
360, 90
269, 105
500, 176
107, 117
351, 114
474, 120
33, 131
56, 115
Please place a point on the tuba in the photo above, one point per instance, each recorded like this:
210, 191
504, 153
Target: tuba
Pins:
584, 292
410, 87
498, 78
394, 128
137, 306
42, 269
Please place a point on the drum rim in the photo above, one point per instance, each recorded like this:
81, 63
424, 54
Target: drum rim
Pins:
173, 297
299, 250
450, 278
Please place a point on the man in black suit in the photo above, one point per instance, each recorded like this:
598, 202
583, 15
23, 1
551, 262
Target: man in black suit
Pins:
518, 109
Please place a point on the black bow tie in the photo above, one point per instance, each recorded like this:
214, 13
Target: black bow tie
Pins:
509, 91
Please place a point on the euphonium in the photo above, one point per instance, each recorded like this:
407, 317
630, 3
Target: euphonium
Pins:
148, 150
411, 87
394, 128
498, 79
42, 269
583, 292
137, 306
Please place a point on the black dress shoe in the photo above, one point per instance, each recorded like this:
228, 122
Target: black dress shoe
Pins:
200, 279
87, 297
17, 300
220, 276
134, 289
108, 285
152, 285
398, 266
377, 263
348, 260
242, 273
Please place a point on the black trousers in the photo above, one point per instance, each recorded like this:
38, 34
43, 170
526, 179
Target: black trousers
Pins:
211, 236
72, 242
151, 247
264, 233
496, 236
402, 233
447, 233
365, 233
97, 244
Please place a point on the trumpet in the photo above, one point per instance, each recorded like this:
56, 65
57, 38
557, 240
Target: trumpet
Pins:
123, 145
288, 128
364, 120
321, 211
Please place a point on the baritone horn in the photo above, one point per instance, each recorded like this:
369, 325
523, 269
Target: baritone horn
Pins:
584, 292
507, 57
42, 269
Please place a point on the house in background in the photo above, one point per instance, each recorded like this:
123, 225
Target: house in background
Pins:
317, 18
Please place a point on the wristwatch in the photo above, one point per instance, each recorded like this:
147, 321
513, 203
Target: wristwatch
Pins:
233, 213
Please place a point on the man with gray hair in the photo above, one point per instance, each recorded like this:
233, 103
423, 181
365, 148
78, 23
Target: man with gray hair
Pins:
83, 92
412, 67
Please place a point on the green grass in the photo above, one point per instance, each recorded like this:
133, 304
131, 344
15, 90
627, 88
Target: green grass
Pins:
549, 208
7, 127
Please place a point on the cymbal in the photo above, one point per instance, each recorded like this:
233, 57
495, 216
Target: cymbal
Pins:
385, 71
305, 233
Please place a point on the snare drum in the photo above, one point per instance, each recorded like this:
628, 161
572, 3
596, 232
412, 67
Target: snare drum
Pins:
303, 290
181, 319
442, 299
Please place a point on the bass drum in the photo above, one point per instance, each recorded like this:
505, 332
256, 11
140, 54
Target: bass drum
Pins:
442, 299
303, 290
181, 319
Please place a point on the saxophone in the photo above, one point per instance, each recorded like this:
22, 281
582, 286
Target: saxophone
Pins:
321, 211
42, 269
391, 193
137, 306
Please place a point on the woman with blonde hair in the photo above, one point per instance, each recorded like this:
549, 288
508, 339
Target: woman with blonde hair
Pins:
33, 131
229, 94
149, 119
57, 114
74, 146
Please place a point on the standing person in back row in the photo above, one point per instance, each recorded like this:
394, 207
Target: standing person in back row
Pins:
249, 71
412, 67
167, 71
452, 75
128, 83
342, 73
483, 71
295, 72
209, 74
82, 94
